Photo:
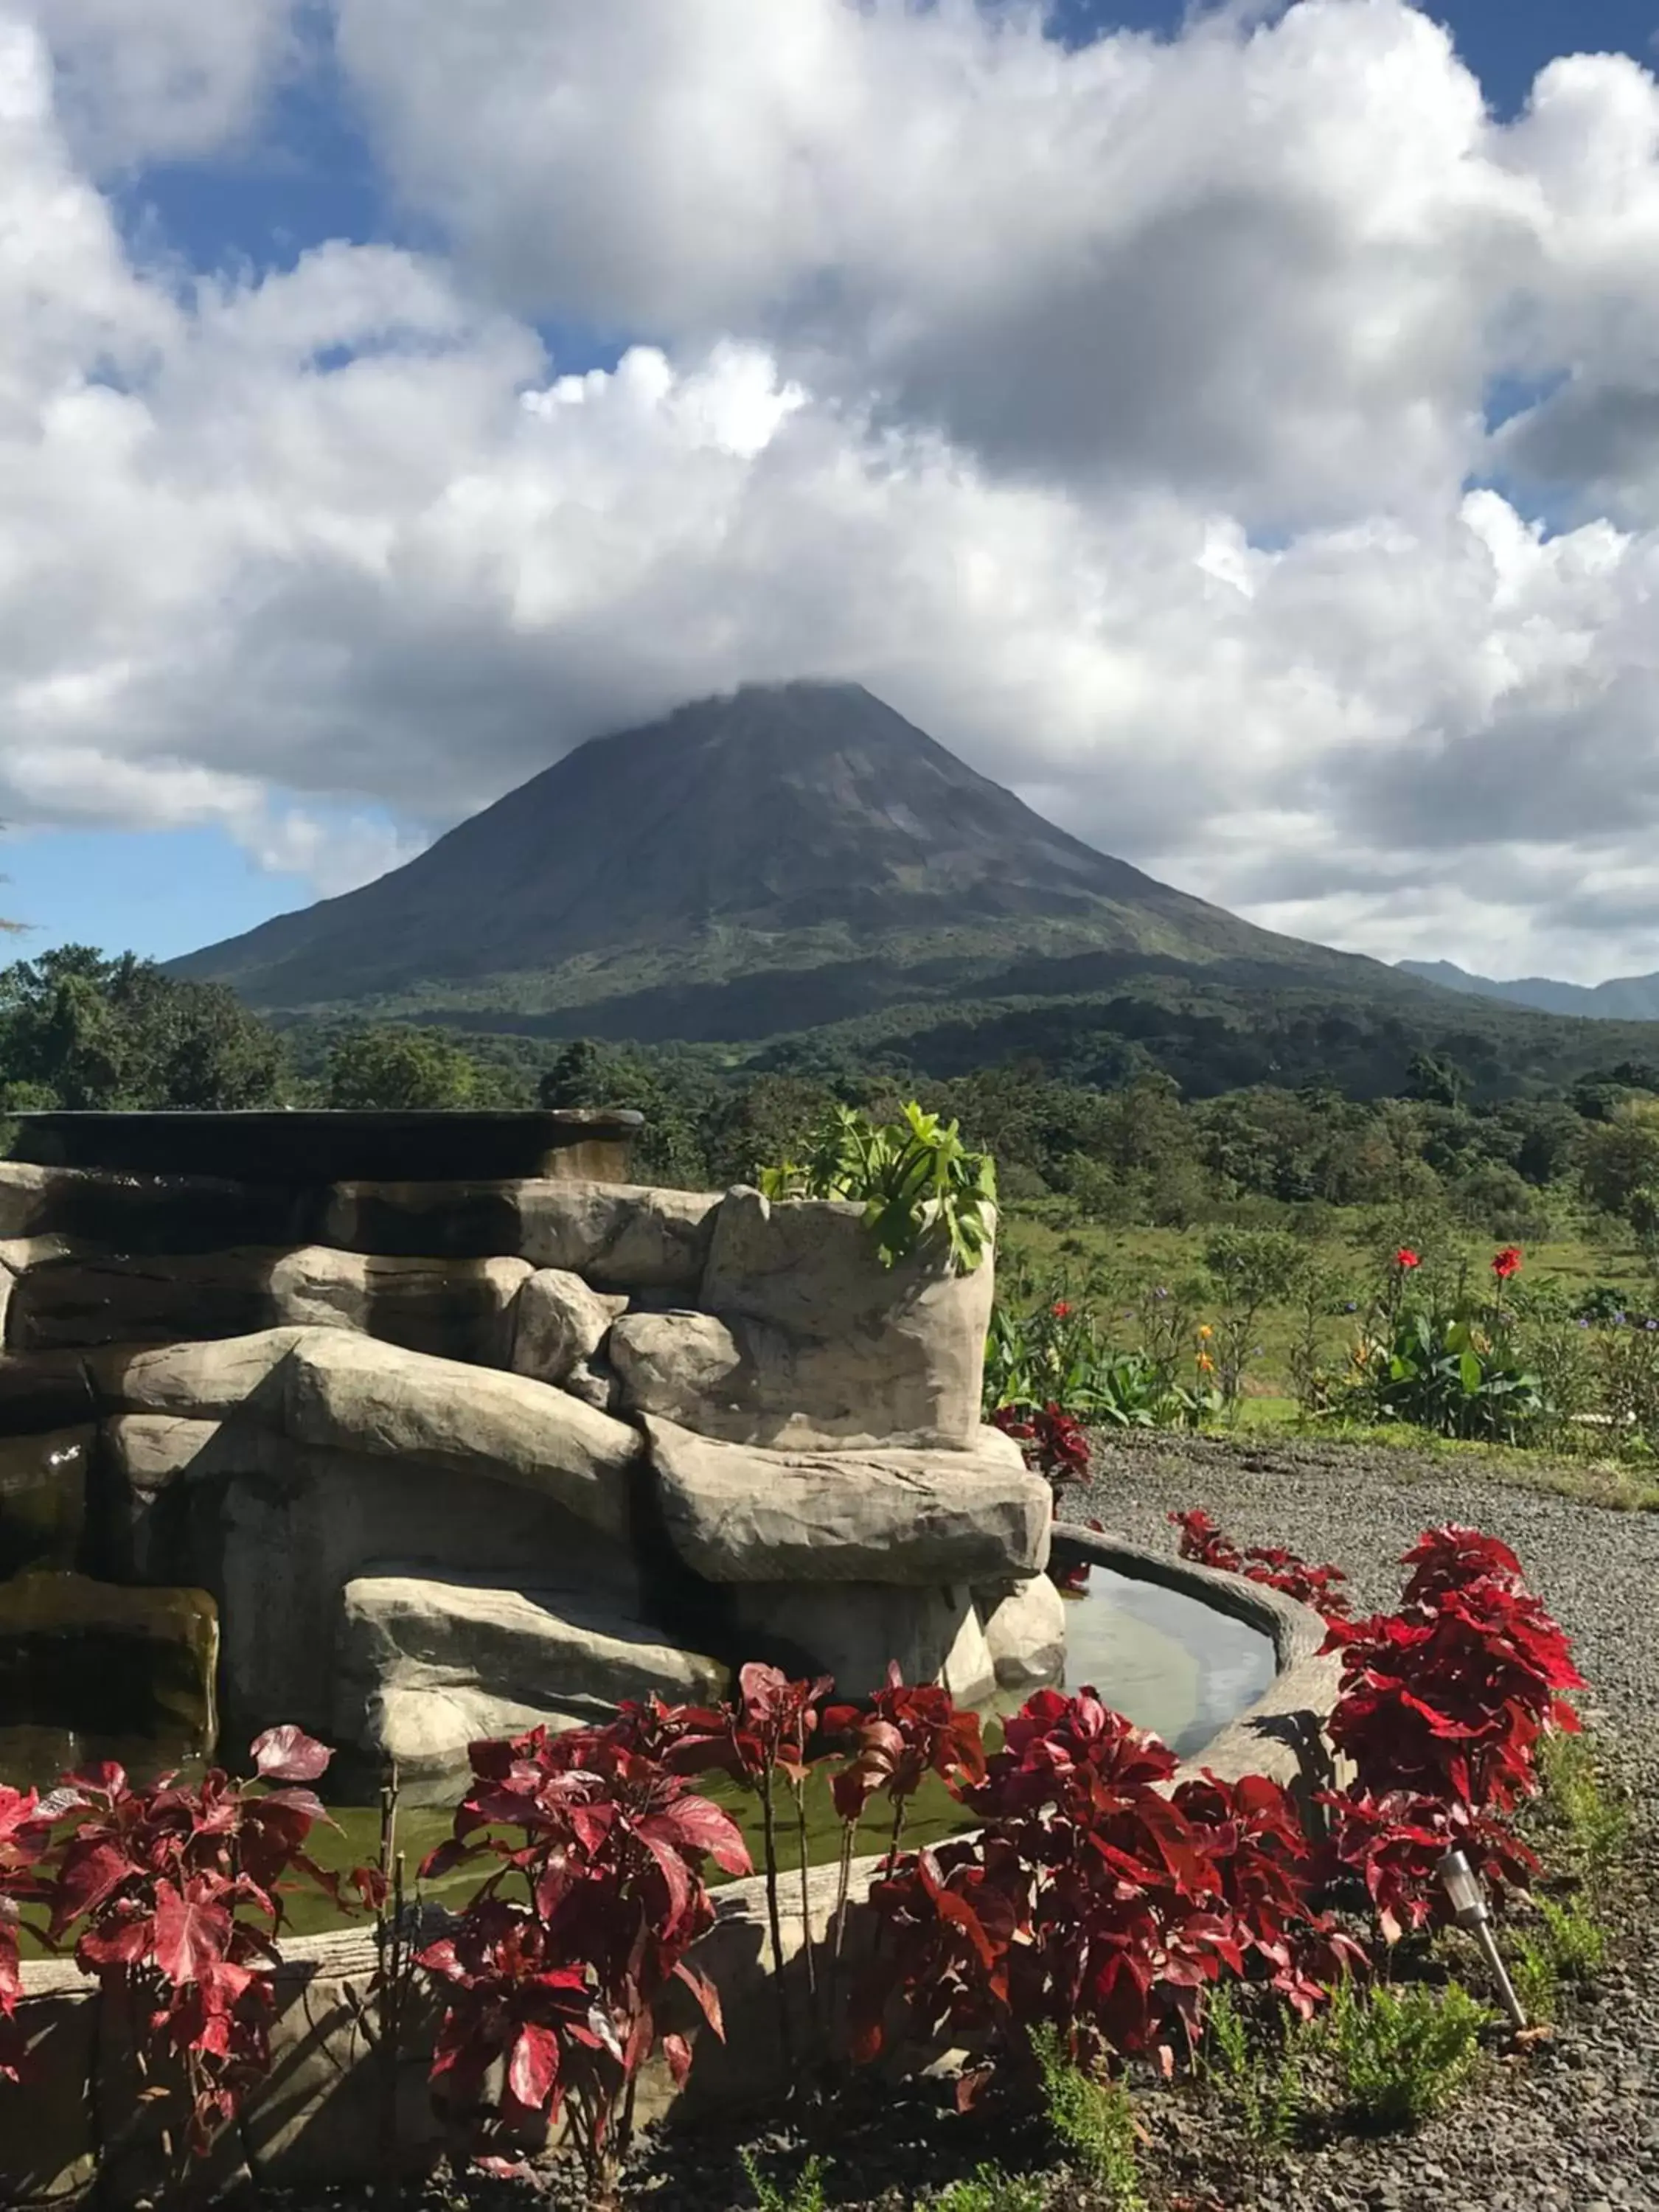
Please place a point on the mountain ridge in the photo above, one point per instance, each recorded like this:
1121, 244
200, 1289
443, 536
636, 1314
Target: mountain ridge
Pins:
1620, 999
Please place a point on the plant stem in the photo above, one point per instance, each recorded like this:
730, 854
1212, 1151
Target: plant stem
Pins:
807, 1946
768, 1828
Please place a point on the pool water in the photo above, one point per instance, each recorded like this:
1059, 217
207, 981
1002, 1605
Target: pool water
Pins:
1172, 1663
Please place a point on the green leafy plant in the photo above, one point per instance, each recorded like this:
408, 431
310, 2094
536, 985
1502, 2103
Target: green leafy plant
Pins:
1570, 1945
1402, 2055
1250, 1269
988, 2189
1447, 1363
1093, 2118
1597, 1825
1264, 2081
803, 2194
913, 1177
1052, 1354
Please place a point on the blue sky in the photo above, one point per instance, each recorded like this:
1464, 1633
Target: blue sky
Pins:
338, 668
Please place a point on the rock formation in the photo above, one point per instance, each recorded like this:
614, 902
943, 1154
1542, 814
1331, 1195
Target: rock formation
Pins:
450, 1458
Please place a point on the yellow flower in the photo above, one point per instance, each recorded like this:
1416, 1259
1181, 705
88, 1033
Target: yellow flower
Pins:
1206, 1330
1207, 1365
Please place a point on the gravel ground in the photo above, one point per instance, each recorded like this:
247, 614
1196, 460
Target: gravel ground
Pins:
1574, 2127
1579, 2125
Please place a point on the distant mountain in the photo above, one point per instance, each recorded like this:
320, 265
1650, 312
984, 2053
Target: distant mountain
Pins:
1624, 999
769, 861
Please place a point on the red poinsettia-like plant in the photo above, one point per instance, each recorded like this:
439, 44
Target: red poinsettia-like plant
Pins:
178, 1891
557, 1967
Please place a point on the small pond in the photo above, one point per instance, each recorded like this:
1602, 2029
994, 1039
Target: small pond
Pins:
1172, 1663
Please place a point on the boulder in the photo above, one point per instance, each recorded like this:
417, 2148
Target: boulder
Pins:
689, 1369
203, 1382
854, 1631
846, 1350
621, 1237
428, 1664
43, 1499
345, 1393
42, 1390
78, 1299
1024, 1632
595, 1383
559, 1324
139, 1527
274, 1528
143, 1213
423, 1220
736, 1513
455, 1309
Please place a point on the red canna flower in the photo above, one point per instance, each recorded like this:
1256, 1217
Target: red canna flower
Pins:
1061, 1310
1406, 1258
1507, 1262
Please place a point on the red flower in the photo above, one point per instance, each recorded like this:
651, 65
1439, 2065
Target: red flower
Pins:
1405, 1258
1061, 1310
1507, 1262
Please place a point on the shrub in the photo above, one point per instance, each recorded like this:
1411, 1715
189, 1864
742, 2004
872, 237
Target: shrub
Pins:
1090, 1901
1597, 1825
25, 1839
1093, 2118
559, 1983
178, 1892
988, 2189
805, 2193
1265, 2087
1450, 1696
1272, 1565
1050, 1362
1402, 2055
1251, 1269
914, 1177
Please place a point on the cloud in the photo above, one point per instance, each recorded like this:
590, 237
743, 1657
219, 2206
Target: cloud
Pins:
1253, 262
148, 80
1117, 415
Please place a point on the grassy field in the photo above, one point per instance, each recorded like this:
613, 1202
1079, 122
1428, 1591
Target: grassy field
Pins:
1109, 1267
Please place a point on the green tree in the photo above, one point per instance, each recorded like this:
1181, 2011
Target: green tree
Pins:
392, 1068
85, 1031
1434, 1080
1621, 1157
678, 1106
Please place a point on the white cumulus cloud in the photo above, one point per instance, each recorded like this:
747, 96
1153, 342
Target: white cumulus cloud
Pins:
1116, 414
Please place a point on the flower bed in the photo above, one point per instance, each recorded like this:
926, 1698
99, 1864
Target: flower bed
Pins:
1104, 1899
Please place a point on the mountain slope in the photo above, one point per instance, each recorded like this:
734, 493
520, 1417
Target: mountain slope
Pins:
781, 856
1622, 998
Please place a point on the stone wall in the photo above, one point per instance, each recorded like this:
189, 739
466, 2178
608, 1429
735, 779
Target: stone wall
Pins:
451, 1457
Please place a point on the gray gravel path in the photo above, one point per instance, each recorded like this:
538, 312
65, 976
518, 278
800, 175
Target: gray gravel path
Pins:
1578, 2127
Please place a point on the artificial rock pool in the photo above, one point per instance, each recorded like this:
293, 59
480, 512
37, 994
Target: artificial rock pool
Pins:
409, 1462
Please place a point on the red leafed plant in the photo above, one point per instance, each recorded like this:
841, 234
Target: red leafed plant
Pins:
1055, 1443
178, 1893
766, 1731
1393, 1843
1444, 1704
1449, 1697
1271, 1565
25, 1839
1091, 1900
557, 1965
